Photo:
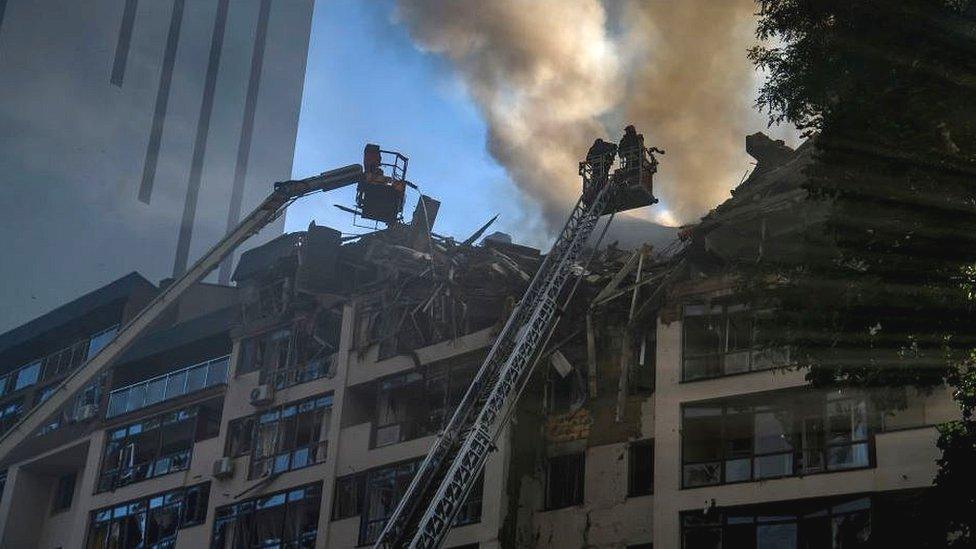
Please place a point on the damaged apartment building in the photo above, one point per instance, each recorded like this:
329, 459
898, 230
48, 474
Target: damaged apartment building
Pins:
292, 409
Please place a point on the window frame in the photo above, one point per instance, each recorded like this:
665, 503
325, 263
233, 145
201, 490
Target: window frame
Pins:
145, 505
724, 309
292, 501
796, 452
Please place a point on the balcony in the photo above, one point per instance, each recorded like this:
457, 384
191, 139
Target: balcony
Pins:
167, 386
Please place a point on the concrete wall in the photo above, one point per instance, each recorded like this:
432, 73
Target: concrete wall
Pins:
904, 458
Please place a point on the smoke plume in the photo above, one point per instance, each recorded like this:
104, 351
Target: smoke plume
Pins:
549, 76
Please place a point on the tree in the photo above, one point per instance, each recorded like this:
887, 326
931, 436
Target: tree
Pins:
880, 293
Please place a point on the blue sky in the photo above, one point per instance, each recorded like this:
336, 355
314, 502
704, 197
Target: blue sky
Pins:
367, 82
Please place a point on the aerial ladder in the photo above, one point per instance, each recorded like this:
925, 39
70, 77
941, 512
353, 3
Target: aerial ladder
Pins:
429, 506
274, 205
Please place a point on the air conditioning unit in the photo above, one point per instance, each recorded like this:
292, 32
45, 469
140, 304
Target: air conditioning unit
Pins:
223, 468
261, 395
86, 412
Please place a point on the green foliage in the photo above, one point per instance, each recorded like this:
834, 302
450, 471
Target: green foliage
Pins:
881, 292
877, 294
956, 479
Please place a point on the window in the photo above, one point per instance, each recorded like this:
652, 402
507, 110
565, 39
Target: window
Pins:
375, 494
564, 481
814, 523
240, 433
155, 446
285, 438
268, 351
720, 340
640, 469
297, 354
10, 413
348, 498
384, 488
27, 376
417, 404
769, 437
284, 519
100, 340
150, 522
565, 393
64, 491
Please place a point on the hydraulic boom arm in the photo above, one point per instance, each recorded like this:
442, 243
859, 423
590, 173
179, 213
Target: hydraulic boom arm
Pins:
283, 195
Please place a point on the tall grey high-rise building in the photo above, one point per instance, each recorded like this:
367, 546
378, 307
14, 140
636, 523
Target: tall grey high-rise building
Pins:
134, 133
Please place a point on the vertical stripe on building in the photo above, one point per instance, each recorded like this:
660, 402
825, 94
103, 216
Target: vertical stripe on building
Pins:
125, 38
3, 8
200, 143
244, 147
162, 98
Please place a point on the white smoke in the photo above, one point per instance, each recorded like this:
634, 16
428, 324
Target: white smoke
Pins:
548, 74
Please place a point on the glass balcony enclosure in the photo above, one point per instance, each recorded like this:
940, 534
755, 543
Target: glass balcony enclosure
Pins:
171, 385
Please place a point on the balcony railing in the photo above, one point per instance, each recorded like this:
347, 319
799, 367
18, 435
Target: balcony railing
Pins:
167, 386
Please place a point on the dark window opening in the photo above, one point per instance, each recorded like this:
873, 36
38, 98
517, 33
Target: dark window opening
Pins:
149, 522
10, 413
644, 365
64, 492
240, 433
284, 519
564, 481
640, 469
566, 385
348, 497
834, 524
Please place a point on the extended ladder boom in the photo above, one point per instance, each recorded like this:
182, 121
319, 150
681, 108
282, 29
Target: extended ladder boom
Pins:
445, 477
284, 193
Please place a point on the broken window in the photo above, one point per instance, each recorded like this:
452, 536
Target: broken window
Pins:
148, 522
640, 468
295, 354
266, 301
348, 496
564, 480
383, 489
835, 523
240, 433
739, 440
566, 380
417, 404
285, 438
267, 351
284, 519
721, 339
155, 446
644, 368
10, 413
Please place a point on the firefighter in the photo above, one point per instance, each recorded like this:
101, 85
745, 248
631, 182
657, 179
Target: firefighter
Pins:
600, 158
371, 164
